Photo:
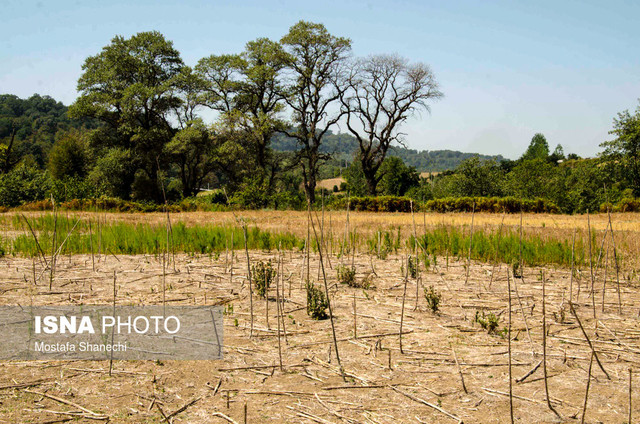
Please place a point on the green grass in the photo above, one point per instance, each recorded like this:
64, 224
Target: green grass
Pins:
130, 239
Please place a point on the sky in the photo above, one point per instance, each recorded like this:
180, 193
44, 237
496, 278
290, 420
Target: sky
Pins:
508, 69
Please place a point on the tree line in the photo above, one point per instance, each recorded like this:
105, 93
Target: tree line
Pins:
137, 131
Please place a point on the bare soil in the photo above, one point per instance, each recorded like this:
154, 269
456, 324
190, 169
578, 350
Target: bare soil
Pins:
381, 384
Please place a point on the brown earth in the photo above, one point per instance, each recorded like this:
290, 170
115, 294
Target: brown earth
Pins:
382, 385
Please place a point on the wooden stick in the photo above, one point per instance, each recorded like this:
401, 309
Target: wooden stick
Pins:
509, 350
277, 312
113, 330
592, 294
93, 262
584, 333
44, 258
246, 251
495, 259
473, 214
69, 403
404, 296
455, 357
586, 393
615, 259
424, 402
544, 346
326, 289
573, 250
355, 315
630, 404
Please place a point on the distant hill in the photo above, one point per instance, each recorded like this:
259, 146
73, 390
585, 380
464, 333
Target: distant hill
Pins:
344, 147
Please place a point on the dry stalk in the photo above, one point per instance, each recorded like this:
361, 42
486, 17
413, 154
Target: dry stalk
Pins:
544, 346
326, 289
586, 393
509, 350
473, 214
404, 297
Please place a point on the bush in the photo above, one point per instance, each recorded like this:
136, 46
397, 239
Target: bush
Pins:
488, 322
346, 275
433, 298
491, 204
413, 267
263, 275
316, 302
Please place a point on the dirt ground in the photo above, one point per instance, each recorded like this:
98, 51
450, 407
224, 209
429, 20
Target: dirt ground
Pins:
424, 383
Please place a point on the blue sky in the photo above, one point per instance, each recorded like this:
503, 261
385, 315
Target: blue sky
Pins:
507, 69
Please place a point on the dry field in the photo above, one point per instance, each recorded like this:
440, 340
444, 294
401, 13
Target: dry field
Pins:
450, 369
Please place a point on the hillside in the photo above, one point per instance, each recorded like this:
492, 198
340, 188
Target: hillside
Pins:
344, 146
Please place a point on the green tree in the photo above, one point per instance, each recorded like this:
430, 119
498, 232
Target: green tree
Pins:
130, 87
314, 64
538, 148
396, 177
356, 181
193, 150
532, 178
474, 177
622, 155
69, 156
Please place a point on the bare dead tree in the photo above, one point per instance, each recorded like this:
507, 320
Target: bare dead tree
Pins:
382, 92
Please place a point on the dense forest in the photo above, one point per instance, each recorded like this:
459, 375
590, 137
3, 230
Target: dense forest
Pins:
136, 133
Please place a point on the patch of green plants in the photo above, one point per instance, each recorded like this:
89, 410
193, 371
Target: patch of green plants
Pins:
317, 303
412, 264
136, 238
433, 298
516, 269
263, 275
488, 322
346, 275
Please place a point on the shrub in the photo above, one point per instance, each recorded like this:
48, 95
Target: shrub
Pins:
488, 322
516, 269
346, 275
263, 275
433, 298
413, 267
316, 302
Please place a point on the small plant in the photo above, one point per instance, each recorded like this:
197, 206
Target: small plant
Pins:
228, 309
316, 302
433, 298
346, 275
367, 282
517, 269
263, 275
488, 322
413, 267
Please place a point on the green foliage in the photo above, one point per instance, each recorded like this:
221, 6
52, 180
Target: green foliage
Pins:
381, 244
134, 239
69, 156
488, 322
397, 178
412, 264
491, 204
373, 204
515, 269
538, 148
317, 303
263, 275
346, 275
23, 184
355, 180
622, 155
475, 178
433, 298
